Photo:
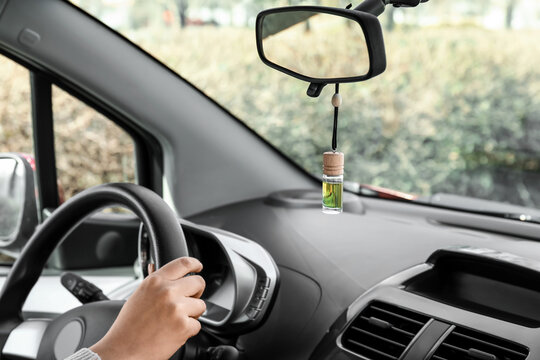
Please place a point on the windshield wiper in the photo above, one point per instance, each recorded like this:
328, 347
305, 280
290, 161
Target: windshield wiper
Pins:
378, 192
452, 202
522, 217
483, 207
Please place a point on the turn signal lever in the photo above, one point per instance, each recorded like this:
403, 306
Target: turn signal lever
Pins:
222, 352
83, 290
193, 350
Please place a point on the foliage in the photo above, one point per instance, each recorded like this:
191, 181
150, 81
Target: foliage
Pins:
457, 110
90, 149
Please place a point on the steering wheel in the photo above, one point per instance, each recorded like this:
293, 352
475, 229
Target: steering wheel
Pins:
86, 324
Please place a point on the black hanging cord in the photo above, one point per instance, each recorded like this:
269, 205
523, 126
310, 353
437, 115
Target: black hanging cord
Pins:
334, 131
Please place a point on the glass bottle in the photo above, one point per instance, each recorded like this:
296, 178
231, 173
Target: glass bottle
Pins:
332, 184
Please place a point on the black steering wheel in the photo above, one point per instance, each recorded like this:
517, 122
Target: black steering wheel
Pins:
86, 324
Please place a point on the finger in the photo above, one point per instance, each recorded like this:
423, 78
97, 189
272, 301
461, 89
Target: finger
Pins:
190, 286
151, 268
193, 327
180, 267
194, 307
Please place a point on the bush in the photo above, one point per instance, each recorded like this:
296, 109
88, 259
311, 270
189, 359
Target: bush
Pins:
458, 110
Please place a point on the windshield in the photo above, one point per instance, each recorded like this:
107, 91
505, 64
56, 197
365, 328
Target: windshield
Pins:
457, 110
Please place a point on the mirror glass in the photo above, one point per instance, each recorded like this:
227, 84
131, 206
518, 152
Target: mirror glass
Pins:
12, 192
316, 45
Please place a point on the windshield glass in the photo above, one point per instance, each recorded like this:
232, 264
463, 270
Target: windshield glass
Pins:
457, 110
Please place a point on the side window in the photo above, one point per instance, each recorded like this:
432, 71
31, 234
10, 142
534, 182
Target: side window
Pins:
15, 108
15, 133
90, 148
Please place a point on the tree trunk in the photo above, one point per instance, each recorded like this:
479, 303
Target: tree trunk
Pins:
182, 8
511, 4
390, 21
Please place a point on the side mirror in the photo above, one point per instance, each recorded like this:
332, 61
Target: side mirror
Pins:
321, 45
18, 208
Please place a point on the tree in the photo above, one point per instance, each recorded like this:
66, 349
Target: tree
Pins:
182, 10
390, 21
510, 6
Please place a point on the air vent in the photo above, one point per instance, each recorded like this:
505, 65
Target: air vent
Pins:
464, 344
382, 331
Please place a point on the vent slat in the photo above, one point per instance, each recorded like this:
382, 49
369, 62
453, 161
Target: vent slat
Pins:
406, 333
469, 345
437, 357
378, 337
398, 316
382, 331
387, 356
456, 348
490, 344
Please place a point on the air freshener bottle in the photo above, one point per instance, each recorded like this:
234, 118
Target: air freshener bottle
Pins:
332, 186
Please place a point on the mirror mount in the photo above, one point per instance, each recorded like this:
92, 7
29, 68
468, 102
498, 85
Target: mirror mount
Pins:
315, 89
373, 7
376, 7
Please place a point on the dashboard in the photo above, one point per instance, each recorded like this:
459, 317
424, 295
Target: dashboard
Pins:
383, 280
468, 283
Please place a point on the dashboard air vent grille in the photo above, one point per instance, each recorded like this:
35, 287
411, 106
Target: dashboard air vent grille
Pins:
382, 331
464, 344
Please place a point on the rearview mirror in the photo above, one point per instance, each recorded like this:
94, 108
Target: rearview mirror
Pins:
18, 210
321, 44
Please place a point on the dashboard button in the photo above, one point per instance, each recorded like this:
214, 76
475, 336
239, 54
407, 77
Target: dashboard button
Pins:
259, 303
265, 281
252, 312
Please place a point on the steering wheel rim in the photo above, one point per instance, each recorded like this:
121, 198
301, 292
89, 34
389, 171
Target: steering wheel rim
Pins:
162, 226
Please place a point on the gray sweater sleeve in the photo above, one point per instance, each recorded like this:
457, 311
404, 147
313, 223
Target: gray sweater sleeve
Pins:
84, 354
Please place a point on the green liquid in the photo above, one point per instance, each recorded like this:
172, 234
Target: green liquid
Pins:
332, 195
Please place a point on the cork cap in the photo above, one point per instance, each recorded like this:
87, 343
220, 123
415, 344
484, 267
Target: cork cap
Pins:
333, 163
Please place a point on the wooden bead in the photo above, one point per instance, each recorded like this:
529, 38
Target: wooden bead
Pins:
337, 100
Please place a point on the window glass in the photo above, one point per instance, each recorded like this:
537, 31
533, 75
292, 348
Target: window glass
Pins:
457, 110
15, 108
15, 122
90, 148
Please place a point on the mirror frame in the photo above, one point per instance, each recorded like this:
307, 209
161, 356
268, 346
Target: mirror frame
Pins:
28, 219
372, 32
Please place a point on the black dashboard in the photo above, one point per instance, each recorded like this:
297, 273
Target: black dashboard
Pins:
469, 283
384, 280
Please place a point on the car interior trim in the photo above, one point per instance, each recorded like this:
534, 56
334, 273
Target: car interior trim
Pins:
43, 131
24, 340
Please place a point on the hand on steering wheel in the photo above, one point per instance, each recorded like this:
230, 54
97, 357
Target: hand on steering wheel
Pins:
162, 311
159, 317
